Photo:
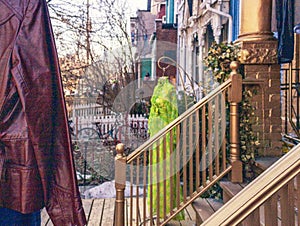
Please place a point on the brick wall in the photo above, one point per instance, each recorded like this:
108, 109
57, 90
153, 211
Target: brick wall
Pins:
166, 36
267, 106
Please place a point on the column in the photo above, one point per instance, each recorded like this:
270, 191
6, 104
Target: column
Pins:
262, 72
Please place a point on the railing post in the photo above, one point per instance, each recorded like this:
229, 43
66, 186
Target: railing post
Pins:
234, 98
120, 182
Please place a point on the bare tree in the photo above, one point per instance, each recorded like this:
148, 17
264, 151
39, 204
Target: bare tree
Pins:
94, 44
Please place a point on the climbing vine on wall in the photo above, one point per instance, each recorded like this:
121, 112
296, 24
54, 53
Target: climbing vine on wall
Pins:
218, 62
219, 58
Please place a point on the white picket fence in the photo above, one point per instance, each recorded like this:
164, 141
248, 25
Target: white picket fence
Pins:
96, 156
129, 129
83, 107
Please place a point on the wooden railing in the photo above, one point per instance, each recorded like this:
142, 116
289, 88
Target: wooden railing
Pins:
273, 198
182, 161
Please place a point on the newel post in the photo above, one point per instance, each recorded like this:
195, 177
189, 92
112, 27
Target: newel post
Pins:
234, 98
120, 181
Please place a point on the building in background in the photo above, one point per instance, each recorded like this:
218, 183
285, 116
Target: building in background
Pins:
153, 37
250, 24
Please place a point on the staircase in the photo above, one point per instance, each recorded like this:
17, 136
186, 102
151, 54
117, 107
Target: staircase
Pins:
185, 172
165, 178
288, 195
205, 207
273, 198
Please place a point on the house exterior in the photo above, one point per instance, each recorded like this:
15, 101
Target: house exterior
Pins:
141, 30
153, 37
251, 25
198, 24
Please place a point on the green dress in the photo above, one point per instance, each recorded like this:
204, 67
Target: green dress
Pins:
162, 112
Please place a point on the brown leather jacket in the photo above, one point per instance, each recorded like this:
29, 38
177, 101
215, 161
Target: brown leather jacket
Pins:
36, 161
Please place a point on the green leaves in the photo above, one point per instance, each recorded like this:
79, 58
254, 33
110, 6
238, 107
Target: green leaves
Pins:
218, 62
219, 58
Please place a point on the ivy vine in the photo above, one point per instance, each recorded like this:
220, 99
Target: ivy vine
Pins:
219, 58
218, 63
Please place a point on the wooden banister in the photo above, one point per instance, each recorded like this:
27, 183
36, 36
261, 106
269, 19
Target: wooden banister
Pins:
120, 180
272, 190
234, 98
183, 160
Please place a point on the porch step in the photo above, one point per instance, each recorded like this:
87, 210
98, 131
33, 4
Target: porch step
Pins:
204, 208
263, 163
230, 189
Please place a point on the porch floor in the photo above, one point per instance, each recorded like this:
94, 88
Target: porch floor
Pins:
101, 212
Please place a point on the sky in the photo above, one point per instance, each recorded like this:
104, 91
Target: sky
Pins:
68, 37
138, 4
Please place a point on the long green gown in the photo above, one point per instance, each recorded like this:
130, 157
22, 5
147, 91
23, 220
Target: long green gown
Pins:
163, 111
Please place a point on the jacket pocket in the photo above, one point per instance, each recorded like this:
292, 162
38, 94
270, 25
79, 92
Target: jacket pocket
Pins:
5, 13
22, 188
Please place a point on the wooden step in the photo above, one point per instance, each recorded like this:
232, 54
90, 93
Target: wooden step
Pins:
263, 163
230, 189
204, 208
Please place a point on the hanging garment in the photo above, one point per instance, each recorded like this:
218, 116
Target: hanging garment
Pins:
285, 25
162, 112
36, 162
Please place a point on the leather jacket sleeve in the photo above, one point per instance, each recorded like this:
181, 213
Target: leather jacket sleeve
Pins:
36, 75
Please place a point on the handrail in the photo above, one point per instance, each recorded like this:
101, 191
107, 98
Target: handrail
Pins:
183, 160
258, 191
179, 119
